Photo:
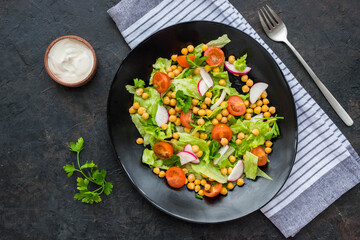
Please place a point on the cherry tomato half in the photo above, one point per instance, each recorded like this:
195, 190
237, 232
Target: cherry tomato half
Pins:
214, 190
260, 153
163, 150
215, 56
221, 131
186, 119
236, 105
161, 81
175, 177
183, 61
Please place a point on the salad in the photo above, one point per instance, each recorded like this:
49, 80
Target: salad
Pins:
200, 131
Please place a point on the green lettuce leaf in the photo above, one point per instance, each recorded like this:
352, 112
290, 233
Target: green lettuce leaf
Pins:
186, 138
183, 101
188, 86
209, 170
251, 167
240, 64
149, 157
220, 42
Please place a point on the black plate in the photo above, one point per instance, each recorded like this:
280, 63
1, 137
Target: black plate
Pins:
182, 203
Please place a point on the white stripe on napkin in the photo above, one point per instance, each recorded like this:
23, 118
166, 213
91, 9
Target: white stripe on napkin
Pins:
323, 152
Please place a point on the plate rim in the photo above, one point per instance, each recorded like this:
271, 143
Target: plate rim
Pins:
127, 173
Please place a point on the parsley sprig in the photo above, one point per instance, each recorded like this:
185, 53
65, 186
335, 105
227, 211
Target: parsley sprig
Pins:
95, 176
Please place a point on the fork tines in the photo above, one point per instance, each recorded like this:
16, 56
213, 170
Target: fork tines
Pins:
272, 20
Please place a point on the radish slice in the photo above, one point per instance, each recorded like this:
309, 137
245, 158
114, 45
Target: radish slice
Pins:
256, 90
222, 97
257, 117
202, 87
162, 115
186, 157
231, 68
222, 151
188, 148
206, 77
237, 171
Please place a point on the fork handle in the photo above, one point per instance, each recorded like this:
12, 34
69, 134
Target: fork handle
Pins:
331, 99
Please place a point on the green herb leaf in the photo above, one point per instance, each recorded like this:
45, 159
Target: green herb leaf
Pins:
99, 177
88, 165
138, 83
88, 197
108, 188
82, 184
173, 161
69, 169
78, 146
240, 64
183, 101
198, 196
214, 149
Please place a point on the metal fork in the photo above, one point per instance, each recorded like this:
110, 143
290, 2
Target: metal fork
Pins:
276, 30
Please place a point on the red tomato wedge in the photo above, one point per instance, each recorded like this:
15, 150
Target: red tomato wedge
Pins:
221, 131
214, 190
186, 119
215, 56
236, 105
163, 150
183, 61
260, 153
161, 82
175, 177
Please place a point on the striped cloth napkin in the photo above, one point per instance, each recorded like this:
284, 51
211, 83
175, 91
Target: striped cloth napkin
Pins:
326, 165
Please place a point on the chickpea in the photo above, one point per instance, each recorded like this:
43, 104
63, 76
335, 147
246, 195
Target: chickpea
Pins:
195, 110
203, 182
203, 106
164, 126
240, 182
184, 51
171, 75
241, 135
199, 154
249, 110
200, 121
196, 71
197, 182
201, 192
203, 136
222, 82
208, 112
177, 109
178, 122
141, 110
168, 94
268, 143
255, 131
173, 94
244, 78
216, 99
195, 148
161, 174
156, 170
139, 91
186, 181
207, 101
208, 143
238, 141
223, 191
139, 141
203, 175
231, 59
168, 69
190, 48
267, 114
253, 105
268, 150
145, 116
191, 177
230, 170
197, 188
249, 82
224, 141
232, 159
204, 47
173, 102
166, 100
208, 94
266, 101
207, 68
272, 110
264, 94
216, 69
229, 117
207, 187
225, 112
248, 116
197, 135
185, 170
176, 135
211, 180
230, 186
132, 110
195, 101
264, 108
201, 112
176, 72
246, 102
259, 103
224, 120
191, 186
246, 136
173, 140
245, 88
257, 110
215, 121
223, 171
136, 105
172, 111
172, 118
174, 57
180, 68
187, 130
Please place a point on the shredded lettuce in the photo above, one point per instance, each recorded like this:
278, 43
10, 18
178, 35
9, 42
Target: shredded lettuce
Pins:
209, 170
149, 157
186, 138
219, 42
251, 168
240, 64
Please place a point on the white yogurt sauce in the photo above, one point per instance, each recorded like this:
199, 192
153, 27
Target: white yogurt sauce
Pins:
70, 60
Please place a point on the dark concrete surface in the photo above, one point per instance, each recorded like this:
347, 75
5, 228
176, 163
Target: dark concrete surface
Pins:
38, 118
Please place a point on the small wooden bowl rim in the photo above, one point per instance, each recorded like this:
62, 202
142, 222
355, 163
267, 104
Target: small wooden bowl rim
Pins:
80, 82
